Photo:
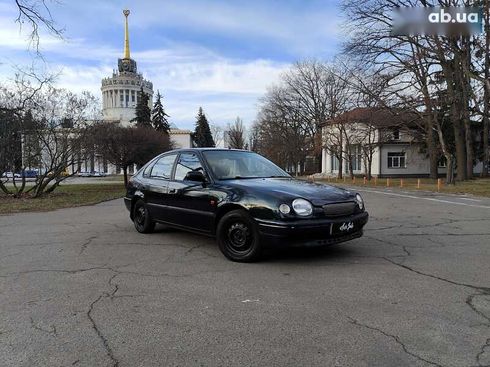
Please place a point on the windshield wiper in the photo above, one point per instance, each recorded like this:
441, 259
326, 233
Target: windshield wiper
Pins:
239, 178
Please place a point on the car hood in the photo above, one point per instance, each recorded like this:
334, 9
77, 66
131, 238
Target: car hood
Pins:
290, 188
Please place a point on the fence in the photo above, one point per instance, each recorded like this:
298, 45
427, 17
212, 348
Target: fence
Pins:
412, 183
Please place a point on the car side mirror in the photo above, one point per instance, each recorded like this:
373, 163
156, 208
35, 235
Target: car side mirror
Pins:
197, 176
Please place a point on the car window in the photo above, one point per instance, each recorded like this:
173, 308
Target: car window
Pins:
163, 167
187, 162
147, 170
241, 164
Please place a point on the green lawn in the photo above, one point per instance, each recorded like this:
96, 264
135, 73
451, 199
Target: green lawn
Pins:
64, 196
115, 178
477, 187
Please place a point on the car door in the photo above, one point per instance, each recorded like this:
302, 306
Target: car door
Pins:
156, 187
190, 201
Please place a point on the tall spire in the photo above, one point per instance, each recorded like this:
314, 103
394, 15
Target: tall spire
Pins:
126, 35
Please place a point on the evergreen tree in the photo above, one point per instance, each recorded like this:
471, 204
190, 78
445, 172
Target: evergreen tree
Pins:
159, 116
202, 135
143, 111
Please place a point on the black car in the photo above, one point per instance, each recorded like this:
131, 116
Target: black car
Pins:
243, 199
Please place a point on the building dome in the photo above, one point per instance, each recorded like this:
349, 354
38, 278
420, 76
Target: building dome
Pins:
121, 91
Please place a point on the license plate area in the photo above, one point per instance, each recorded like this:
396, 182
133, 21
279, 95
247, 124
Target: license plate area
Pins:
346, 227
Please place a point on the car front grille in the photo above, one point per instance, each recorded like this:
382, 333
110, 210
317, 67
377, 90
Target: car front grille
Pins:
339, 209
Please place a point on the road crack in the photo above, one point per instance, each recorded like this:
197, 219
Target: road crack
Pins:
396, 339
86, 243
102, 337
51, 331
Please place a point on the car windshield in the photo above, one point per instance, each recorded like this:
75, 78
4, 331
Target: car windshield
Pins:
232, 164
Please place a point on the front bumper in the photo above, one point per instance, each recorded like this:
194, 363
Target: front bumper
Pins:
311, 232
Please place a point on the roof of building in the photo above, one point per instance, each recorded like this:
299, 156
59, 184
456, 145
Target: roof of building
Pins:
180, 132
379, 117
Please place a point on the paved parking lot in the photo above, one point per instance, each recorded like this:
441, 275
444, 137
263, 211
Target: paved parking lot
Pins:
79, 287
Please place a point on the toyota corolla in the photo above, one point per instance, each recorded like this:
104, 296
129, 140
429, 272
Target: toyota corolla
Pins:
243, 199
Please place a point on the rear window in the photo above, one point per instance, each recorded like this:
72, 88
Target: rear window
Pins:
163, 167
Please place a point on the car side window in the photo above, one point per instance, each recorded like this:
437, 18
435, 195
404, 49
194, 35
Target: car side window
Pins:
163, 167
147, 171
187, 162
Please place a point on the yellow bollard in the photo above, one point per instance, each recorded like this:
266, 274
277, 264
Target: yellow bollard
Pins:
354, 179
401, 182
364, 180
387, 182
418, 183
376, 181
439, 184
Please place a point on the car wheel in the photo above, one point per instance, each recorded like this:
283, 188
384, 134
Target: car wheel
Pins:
238, 237
142, 219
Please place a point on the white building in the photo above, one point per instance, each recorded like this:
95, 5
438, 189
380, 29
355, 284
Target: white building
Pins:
120, 94
391, 145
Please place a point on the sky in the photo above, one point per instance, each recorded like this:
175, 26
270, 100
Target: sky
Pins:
218, 54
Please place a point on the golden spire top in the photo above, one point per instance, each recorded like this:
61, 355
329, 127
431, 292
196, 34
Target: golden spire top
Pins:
126, 35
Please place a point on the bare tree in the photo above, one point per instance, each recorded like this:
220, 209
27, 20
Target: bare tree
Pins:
424, 68
217, 132
37, 15
236, 134
124, 147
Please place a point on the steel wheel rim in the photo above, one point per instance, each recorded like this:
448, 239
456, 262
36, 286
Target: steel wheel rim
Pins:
140, 216
239, 238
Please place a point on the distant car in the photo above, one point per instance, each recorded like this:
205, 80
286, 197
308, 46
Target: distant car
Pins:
31, 173
11, 175
98, 174
83, 174
243, 199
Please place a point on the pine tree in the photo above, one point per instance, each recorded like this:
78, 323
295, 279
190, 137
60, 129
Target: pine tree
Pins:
159, 116
143, 111
202, 135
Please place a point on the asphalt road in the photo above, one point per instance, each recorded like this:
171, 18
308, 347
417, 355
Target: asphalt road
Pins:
80, 287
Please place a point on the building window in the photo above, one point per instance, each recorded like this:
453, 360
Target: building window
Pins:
396, 134
396, 160
442, 162
334, 163
356, 157
132, 96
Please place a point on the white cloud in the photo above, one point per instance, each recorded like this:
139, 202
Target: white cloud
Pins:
225, 88
188, 74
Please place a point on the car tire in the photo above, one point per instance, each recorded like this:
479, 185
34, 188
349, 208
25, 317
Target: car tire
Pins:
238, 237
142, 219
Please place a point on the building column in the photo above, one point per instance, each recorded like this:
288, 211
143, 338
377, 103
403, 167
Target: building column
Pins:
324, 162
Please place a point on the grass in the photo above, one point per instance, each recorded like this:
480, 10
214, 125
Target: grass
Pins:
115, 178
65, 196
477, 187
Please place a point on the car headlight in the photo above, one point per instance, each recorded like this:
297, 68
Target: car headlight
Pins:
360, 202
302, 207
284, 209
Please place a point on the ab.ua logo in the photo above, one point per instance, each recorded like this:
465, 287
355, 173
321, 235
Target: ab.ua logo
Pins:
443, 16
449, 21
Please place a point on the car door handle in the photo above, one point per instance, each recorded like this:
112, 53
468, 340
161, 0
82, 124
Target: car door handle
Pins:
172, 191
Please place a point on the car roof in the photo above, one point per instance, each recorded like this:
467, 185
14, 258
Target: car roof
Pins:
207, 149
